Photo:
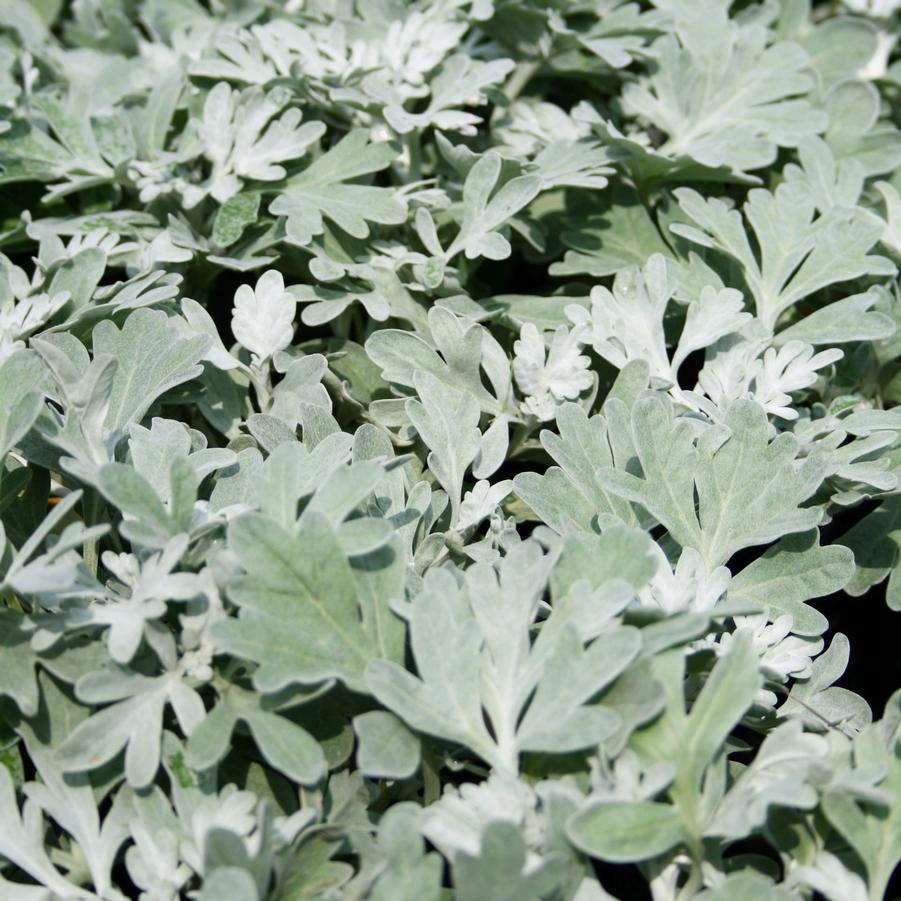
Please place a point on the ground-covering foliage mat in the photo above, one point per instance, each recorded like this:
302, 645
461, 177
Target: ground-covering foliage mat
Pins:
449, 450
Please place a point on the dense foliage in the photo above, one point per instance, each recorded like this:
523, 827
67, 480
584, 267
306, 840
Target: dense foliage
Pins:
426, 430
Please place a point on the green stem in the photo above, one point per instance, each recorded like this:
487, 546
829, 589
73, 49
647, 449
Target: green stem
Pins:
431, 780
521, 76
414, 149
692, 884
92, 511
262, 385
520, 435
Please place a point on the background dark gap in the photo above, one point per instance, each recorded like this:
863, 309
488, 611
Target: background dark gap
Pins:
690, 368
515, 275
623, 881
874, 666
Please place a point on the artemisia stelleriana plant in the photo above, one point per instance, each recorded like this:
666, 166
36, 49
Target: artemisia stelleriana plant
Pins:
428, 434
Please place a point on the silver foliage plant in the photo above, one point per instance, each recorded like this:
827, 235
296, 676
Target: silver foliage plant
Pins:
426, 430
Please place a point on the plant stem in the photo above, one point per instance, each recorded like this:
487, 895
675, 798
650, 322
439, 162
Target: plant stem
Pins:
521, 76
92, 509
520, 435
431, 780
